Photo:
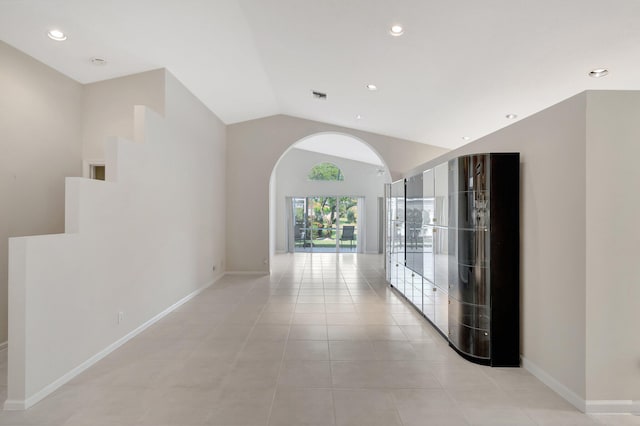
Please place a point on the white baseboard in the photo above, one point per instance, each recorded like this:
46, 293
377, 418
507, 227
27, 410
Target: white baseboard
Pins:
555, 385
16, 405
613, 407
246, 273
4, 345
586, 406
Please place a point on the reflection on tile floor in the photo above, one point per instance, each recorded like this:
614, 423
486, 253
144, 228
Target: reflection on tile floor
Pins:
322, 341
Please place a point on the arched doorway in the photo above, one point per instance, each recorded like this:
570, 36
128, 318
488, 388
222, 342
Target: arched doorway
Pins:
323, 188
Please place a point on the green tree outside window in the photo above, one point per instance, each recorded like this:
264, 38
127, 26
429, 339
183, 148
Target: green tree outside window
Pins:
326, 171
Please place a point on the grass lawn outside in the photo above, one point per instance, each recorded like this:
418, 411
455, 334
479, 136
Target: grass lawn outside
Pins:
331, 242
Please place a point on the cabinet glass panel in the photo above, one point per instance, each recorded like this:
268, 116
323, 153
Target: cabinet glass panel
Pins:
469, 340
428, 255
428, 221
387, 234
473, 316
417, 292
429, 301
473, 247
414, 235
441, 257
401, 276
441, 193
409, 275
393, 270
397, 234
472, 173
452, 197
473, 209
469, 284
428, 190
441, 309
441, 234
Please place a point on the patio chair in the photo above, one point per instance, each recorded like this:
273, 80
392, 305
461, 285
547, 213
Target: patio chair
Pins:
348, 234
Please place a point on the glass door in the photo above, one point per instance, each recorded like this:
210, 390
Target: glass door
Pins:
323, 215
325, 224
348, 224
301, 225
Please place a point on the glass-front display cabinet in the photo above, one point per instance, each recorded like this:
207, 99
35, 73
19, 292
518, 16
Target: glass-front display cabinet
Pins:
396, 234
453, 252
387, 234
414, 241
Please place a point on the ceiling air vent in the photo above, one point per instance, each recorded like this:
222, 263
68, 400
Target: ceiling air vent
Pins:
319, 95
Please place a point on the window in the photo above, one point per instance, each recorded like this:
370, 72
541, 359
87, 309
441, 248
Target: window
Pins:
326, 171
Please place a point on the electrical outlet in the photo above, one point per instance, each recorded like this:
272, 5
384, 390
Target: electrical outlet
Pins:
120, 317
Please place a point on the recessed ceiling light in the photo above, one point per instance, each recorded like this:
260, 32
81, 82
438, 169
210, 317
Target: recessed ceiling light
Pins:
396, 31
57, 35
511, 116
358, 117
599, 72
466, 138
372, 87
98, 61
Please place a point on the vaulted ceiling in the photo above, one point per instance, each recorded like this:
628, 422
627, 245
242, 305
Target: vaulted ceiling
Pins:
459, 68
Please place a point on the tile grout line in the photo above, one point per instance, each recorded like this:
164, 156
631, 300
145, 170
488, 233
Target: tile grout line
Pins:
391, 395
236, 359
333, 397
284, 351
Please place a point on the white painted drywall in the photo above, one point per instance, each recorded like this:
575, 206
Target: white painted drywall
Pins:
552, 235
613, 246
108, 108
360, 179
203, 137
140, 242
579, 245
40, 144
272, 214
253, 149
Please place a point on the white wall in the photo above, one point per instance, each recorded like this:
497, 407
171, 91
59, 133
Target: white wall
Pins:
613, 247
360, 179
552, 236
253, 149
108, 108
272, 214
203, 137
137, 243
40, 144
579, 245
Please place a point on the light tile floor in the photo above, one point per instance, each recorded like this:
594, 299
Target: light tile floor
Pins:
322, 341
